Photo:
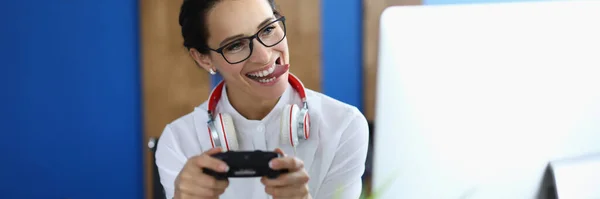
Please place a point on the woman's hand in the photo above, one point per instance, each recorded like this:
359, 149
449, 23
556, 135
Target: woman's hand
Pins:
292, 185
192, 183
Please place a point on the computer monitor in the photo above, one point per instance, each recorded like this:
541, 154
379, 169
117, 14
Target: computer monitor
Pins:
474, 101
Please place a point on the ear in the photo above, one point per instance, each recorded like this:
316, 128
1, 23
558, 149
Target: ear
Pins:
203, 60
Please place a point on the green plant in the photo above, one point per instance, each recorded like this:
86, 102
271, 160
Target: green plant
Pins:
376, 191
387, 183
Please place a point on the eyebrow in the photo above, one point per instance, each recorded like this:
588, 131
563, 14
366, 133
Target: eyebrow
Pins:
263, 23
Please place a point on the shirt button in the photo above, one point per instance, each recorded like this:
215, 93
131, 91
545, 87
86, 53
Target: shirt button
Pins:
260, 128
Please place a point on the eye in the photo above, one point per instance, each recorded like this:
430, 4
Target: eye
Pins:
268, 30
235, 47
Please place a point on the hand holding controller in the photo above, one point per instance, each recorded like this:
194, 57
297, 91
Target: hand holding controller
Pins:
293, 184
192, 183
243, 164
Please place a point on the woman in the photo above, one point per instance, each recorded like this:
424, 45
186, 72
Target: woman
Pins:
259, 106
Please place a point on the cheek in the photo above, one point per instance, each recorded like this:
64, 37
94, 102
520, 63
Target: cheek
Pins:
227, 69
283, 45
283, 48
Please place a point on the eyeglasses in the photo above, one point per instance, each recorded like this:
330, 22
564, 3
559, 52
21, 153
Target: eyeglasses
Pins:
239, 50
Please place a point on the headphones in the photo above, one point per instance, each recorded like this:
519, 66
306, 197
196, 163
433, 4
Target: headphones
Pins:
295, 121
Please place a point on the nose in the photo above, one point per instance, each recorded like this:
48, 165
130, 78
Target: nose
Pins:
260, 53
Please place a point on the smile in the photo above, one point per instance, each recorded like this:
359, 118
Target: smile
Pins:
269, 74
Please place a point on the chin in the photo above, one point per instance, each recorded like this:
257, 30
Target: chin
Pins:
272, 91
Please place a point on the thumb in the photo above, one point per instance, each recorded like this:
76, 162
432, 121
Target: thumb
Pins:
213, 151
279, 151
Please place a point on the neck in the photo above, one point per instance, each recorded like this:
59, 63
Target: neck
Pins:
250, 107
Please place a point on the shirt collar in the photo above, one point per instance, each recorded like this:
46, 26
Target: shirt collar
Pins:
241, 122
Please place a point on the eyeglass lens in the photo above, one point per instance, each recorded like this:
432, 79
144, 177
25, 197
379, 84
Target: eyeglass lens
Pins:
241, 49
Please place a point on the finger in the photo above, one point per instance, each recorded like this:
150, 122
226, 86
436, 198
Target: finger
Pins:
200, 193
291, 163
207, 161
183, 195
194, 160
211, 182
298, 177
187, 180
190, 190
287, 191
208, 193
213, 151
280, 152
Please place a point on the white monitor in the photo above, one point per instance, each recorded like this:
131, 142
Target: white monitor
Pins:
474, 101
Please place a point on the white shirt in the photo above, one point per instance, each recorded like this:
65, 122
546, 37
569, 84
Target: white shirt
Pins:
334, 155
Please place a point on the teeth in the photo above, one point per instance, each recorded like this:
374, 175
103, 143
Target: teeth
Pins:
266, 80
263, 73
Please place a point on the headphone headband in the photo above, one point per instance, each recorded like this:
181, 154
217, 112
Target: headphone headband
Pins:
215, 94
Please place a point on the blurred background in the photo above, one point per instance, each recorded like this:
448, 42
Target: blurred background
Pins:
86, 84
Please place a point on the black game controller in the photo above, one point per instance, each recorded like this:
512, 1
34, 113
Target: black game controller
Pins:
244, 164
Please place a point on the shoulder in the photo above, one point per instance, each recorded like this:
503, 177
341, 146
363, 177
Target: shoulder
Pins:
342, 134
180, 134
336, 117
188, 121
333, 110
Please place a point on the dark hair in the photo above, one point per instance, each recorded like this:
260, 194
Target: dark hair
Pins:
192, 19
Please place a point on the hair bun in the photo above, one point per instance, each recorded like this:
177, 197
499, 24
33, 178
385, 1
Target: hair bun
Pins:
185, 11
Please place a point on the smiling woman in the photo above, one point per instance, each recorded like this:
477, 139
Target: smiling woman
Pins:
173, 82
259, 105
231, 28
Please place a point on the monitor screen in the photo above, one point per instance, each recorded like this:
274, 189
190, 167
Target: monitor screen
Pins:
474, 101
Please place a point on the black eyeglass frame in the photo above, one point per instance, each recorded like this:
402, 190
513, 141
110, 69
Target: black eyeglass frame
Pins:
251, 38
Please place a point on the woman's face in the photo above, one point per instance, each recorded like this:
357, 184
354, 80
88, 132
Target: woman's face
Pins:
264, 74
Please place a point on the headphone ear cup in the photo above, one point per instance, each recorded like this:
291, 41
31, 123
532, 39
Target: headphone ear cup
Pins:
306, 127
226, 129
289, 128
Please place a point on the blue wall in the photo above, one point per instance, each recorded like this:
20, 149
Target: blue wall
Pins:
342, 62
70, 106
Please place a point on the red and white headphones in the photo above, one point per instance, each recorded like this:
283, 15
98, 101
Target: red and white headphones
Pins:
295, 121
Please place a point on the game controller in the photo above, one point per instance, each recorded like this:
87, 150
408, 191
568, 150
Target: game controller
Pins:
244, 164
